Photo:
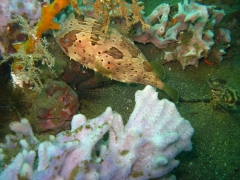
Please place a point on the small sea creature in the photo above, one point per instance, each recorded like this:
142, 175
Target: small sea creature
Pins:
210, 63
114, 56
224, 95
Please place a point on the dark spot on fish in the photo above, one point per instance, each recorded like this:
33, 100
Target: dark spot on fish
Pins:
101, 59
108, 62
84, 50
119, 64
108, 67
115, 53
75, 52
84, 58
99, 52
93, 43
79, 41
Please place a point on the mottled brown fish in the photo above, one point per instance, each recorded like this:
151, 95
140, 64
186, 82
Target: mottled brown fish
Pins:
223, 95
114, 56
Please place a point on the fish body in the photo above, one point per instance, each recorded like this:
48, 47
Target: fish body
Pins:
114, 56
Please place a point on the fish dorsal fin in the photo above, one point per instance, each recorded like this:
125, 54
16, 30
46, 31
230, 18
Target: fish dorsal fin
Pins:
158, 70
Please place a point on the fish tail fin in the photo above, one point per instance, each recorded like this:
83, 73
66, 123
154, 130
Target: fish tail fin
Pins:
158, 69
173, 93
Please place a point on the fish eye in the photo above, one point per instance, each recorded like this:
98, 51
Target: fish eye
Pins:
65, 42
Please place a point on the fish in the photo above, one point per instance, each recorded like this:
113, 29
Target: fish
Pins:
109, 53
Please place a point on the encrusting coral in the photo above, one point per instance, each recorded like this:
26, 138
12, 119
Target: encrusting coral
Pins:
144, 148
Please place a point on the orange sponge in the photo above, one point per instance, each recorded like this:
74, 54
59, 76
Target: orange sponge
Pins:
49, 11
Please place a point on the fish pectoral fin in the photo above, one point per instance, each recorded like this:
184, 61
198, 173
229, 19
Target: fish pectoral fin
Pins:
100, 77
101, 69
158, 70
173, 93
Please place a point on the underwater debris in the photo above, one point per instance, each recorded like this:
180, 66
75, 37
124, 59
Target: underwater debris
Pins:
223, 95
